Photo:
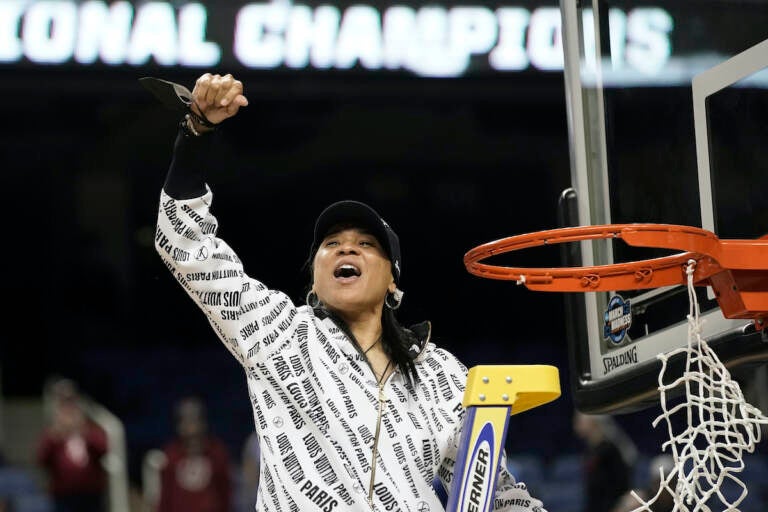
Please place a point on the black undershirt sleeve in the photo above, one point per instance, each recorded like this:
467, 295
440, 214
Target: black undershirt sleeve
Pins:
191, 157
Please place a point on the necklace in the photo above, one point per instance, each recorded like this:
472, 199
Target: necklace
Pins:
374, 344
383, 374
379, 378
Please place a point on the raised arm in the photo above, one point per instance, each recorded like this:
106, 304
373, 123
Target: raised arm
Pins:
214, 100
245, 315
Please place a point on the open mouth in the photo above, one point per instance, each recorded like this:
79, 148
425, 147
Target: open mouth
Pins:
346, 271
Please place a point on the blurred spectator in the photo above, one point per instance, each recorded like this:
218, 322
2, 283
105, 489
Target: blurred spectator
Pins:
6, 505
70, 450
196, 476
250, 472
5, 501
665, 501
606, 471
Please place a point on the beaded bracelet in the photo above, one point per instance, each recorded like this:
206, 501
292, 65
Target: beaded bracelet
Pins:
188, 126
201, 119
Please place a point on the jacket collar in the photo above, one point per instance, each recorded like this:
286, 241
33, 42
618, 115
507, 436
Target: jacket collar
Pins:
421, 330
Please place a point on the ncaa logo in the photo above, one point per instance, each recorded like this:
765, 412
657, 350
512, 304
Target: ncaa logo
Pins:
617, 319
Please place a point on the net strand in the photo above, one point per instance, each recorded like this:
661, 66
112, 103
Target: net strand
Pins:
721, 426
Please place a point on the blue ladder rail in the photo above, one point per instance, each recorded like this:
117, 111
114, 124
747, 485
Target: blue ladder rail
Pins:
492, 395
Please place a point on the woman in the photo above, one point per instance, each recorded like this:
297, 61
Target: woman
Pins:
353, 411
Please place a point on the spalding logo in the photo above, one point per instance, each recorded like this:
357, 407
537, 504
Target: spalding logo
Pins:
477, 491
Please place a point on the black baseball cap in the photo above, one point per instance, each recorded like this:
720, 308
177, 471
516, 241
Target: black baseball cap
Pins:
363, 216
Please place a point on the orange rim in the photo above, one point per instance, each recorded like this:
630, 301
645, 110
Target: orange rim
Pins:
696, 243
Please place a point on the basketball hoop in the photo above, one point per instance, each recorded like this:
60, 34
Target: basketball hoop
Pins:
737, 270
721, 424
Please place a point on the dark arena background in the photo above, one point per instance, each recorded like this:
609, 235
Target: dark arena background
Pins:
459, 143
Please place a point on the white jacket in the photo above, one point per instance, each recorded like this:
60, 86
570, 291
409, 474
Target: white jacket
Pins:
331, 438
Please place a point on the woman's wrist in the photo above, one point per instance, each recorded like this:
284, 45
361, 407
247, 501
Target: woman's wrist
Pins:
193, 128
197, 126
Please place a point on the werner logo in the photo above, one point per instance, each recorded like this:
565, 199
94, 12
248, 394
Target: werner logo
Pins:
477, 491
617, 319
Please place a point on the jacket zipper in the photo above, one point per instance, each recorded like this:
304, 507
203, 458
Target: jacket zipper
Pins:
381, 406
375, 448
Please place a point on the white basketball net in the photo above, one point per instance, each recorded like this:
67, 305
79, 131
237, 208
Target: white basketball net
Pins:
721, 426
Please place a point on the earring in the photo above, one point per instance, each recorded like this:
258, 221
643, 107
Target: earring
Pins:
312, 300
394, 299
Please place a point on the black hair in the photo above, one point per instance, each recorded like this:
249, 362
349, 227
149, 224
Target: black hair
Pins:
395, 338
397, 342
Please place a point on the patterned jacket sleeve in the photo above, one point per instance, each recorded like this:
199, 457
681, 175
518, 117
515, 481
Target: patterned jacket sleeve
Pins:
247, 316
511, 496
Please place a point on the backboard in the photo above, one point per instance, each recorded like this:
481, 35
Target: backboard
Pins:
668, 123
